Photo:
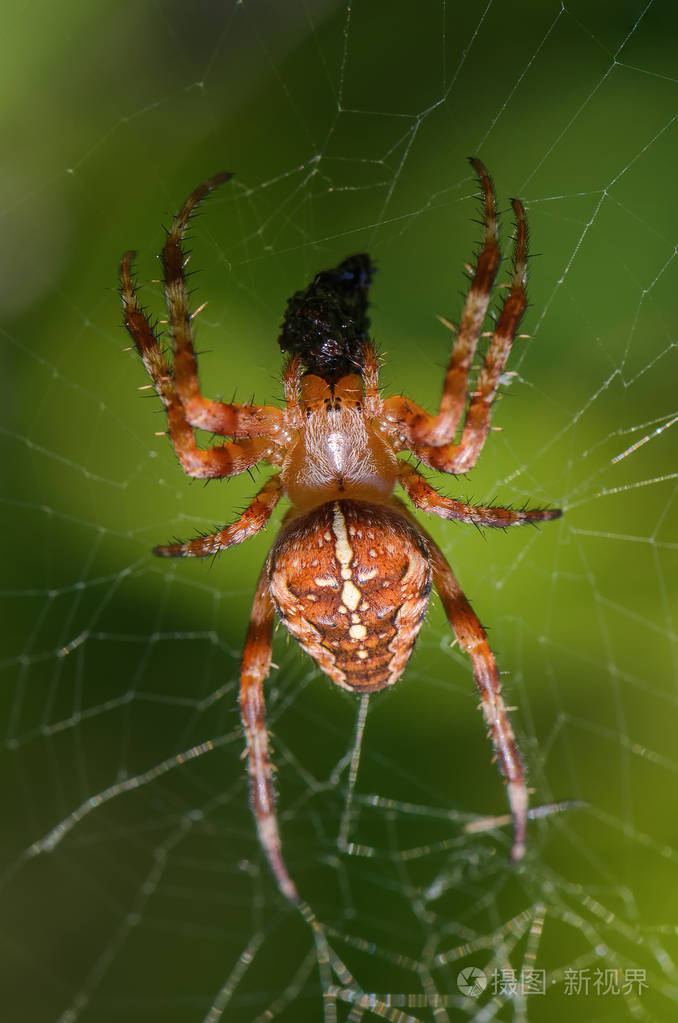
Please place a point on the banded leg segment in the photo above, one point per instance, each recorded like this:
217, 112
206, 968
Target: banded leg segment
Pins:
292, 387
372, 399
256, 663
471, 637
229, 420
251, 522
477, 423
423, 496
431, 438
457, 458
223, 460
185, 364
419, 426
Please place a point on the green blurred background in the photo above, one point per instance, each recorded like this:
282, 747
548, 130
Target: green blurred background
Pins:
348, 129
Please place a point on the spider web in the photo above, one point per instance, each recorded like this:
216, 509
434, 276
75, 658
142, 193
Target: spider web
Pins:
132, 883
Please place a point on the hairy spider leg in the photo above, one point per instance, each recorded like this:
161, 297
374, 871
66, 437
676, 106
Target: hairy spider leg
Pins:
225, 459
461, 457
372, 401
471, 637
424, 497
256, 663
228, 420
251, 522
293, 415
416, 425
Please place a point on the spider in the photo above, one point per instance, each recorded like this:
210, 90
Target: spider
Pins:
351, 570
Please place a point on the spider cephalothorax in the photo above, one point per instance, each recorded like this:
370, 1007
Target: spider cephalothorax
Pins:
351, 570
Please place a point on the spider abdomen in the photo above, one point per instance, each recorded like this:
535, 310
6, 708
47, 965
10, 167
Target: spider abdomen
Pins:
351, 581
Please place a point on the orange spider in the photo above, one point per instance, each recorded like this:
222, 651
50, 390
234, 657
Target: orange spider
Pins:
351, 570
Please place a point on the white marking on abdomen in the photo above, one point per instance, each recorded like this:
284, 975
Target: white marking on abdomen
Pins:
342, 547
350, 595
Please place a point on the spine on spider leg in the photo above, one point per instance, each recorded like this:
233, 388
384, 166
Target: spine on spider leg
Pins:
504, 743
176, 295
472, 638
256, 663
442, 428
188, 209
254, 518
425, 497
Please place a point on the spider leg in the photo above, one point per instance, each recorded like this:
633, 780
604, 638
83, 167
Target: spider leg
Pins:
471, 637
430, 438
224, 460
457, 458
423, 496
291, 379
256, 663
418, 426
229, 420
252, 520
372, 400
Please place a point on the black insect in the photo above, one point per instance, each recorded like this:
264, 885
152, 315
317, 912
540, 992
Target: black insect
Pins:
326, 324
